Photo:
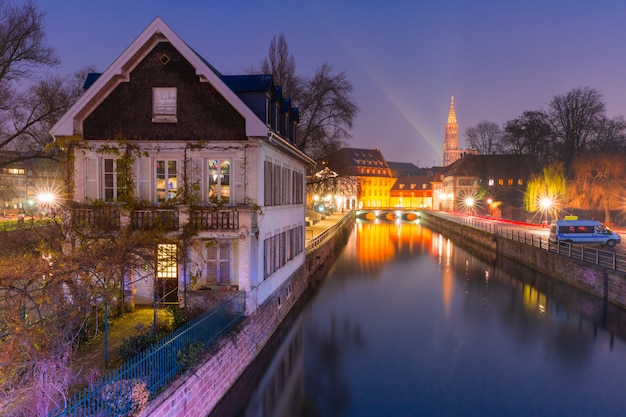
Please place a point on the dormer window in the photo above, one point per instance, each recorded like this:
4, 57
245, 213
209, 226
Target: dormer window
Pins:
164, 105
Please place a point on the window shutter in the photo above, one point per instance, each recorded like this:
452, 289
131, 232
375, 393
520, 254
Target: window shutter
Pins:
144, 173
92, 177
237, 176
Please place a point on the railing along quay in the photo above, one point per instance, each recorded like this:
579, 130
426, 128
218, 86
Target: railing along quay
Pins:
600, 257
319, 240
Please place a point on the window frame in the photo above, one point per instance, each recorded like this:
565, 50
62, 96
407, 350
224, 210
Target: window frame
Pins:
164, 104
167, 177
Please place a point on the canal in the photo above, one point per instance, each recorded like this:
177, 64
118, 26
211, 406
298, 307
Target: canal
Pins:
409, 324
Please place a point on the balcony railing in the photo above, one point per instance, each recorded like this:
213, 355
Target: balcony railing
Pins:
211, 219
99, 218
161, 219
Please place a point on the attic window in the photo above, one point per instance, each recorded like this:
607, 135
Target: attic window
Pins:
164, 59
164, 105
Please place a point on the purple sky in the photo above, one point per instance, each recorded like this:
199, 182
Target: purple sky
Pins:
405, 58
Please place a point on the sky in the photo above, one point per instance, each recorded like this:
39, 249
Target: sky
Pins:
405, 58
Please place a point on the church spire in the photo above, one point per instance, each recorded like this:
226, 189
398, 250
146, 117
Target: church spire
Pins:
451, 150
452, 114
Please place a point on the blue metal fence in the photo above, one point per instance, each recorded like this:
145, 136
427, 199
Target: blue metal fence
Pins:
121, 391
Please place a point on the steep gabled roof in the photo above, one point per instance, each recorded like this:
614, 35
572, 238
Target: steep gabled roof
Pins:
119, 71
482, 166
405, 169
253, 83
347, 161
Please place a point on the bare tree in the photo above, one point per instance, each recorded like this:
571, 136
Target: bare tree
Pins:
325, 103
22, 42
29, 103
610, 136
485, 137
529, 134
575, 118
282, 65
327, 111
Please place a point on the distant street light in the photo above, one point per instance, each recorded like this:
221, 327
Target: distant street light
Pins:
316, 198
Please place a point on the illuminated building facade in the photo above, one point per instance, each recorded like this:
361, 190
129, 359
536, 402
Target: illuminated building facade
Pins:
21, 182
412, 192
371, 172
484, 179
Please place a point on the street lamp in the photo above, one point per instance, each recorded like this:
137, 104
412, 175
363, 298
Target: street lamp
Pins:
316, 198
47, 201
546, 204
469, 204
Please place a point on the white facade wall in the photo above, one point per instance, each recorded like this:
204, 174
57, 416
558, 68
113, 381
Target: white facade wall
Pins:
257, 222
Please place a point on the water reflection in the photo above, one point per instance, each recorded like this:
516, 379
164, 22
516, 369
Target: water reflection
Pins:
409, 324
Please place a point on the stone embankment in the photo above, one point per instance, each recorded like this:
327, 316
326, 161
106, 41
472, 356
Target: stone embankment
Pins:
608, 284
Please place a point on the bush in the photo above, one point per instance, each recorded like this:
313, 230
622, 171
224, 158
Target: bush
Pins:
188, 356
127, 397
136, 344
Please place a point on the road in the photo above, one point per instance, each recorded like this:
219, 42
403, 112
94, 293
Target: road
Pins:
528, 228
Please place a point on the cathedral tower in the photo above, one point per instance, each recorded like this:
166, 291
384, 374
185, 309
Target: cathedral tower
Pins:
451, 151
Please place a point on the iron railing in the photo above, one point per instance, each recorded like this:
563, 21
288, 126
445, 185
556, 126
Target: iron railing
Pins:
100, 218
605, 258
212, 219
319, 240
151, 219
118, 392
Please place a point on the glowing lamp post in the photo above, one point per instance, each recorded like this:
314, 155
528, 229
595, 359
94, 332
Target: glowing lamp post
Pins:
546, 204
46, 198
316, 198
469, 204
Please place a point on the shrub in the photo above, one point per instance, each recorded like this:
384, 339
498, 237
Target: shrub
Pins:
125, 397
187, 357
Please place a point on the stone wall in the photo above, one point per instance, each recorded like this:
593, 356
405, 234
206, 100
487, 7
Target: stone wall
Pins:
600, 282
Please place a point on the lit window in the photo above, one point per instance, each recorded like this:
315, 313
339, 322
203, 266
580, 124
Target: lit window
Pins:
520, 181
491, 181
164, 105
167, 266
167, 273
510, 181
166, 180
219, 181
500, 181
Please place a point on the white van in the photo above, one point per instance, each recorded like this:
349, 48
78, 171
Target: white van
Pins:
583, 231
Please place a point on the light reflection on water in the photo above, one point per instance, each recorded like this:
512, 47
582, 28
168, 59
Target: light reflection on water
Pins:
408, 324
